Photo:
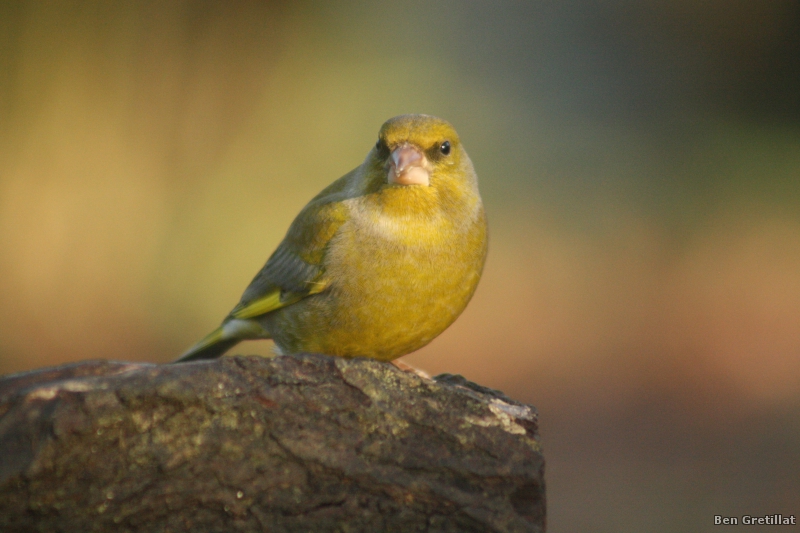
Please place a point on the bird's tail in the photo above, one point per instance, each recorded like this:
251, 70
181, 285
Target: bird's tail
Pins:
225, 337
211, 346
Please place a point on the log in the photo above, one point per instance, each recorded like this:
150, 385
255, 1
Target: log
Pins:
240, 444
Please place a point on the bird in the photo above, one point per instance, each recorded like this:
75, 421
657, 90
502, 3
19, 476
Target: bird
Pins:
379, 263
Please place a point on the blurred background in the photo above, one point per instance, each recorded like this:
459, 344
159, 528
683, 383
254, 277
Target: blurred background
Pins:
639, 162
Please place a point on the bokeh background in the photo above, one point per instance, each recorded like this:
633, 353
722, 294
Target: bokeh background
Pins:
639, 161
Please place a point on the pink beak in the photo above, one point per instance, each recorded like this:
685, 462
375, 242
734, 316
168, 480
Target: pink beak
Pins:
408, 166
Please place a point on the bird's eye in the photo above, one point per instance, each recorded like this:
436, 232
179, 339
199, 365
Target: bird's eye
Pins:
445, 148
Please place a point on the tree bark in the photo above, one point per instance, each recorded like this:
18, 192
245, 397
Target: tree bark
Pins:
300, 443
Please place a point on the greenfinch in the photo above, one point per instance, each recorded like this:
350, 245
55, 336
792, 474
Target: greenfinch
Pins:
379, 263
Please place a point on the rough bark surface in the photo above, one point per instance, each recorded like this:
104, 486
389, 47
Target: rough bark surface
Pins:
302, 443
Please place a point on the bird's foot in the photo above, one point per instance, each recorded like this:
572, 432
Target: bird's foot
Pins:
405, 367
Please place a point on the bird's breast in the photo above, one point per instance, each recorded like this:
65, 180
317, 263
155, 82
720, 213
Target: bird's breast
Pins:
404, 260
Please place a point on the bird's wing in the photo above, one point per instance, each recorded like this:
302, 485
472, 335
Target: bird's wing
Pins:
295, 269
285, 279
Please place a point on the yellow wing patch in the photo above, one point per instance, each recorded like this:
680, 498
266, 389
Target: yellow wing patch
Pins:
272, 301
265, 304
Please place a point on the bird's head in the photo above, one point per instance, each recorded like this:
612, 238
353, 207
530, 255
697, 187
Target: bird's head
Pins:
413, 149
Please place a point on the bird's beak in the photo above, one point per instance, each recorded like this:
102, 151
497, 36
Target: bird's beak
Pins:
408, 166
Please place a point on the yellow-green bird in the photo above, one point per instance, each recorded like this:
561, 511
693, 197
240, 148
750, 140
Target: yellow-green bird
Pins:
379, 263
